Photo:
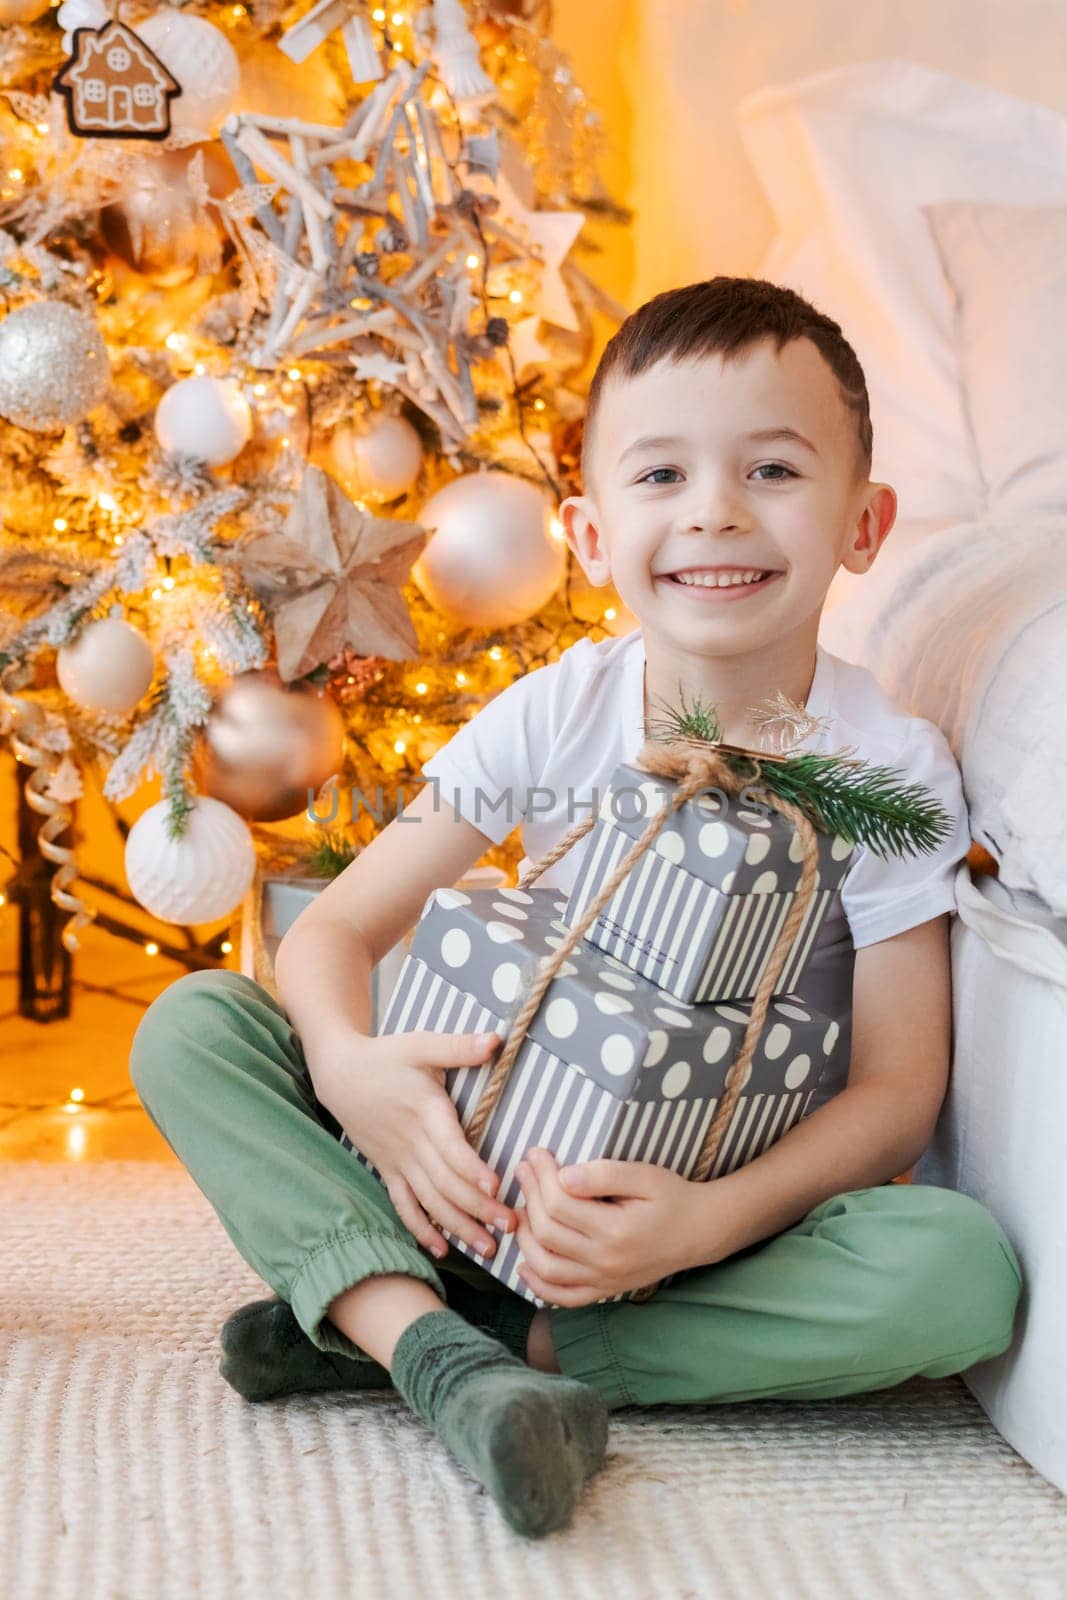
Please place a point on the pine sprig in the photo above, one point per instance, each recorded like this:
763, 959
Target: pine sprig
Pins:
332, 853
839, 794
863, 803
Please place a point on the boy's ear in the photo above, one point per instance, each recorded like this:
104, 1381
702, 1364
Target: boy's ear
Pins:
871, 529
580, 519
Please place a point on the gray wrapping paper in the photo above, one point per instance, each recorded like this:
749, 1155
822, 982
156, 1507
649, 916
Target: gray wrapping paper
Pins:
700, 912
610, 1066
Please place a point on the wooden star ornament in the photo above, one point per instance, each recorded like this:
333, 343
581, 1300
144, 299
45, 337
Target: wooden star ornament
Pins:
332, 577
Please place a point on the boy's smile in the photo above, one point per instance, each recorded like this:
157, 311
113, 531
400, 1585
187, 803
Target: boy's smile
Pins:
724, 494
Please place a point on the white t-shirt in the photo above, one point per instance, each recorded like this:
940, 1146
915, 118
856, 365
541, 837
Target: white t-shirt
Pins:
542, 754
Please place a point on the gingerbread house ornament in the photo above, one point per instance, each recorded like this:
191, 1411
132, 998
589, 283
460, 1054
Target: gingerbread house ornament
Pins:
114, 86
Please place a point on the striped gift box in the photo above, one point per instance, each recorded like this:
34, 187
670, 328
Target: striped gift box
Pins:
610, 1066
700, 912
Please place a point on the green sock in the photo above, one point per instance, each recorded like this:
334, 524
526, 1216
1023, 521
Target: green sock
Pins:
531, 1438
266, 1353
505, 1315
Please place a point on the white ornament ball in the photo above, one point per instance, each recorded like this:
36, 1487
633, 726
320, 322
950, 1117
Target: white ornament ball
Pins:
208, 418
384, 458
199, 877
22, 10
492, 559
78, 14
107, 667
202, 59
53, 366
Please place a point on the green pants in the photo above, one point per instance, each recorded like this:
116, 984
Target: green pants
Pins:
871, 1288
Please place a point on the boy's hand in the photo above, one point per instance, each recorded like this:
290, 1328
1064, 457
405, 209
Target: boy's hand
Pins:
397, 1112
579, 1249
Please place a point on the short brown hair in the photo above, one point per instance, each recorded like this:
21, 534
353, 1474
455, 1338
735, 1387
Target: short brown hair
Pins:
724, 316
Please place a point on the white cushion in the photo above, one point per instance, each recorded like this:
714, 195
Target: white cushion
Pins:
1007, 267
848, 159
967, 629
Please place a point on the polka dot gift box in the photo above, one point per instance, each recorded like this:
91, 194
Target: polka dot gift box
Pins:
610, 1065
701, 910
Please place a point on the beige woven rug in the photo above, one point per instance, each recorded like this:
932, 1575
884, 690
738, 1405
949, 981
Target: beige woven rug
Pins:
130, 1471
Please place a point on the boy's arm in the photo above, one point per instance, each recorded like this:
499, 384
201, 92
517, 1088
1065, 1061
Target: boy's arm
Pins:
871, 1132
323, 964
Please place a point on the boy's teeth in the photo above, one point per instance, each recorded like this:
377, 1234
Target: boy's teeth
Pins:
724, 580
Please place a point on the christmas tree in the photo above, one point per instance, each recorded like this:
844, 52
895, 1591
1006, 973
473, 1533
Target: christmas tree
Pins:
295, 338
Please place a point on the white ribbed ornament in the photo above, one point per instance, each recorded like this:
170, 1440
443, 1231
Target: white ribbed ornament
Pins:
200, 877
455, 54
202, 59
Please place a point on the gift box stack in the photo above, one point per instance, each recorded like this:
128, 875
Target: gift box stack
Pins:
627, 1054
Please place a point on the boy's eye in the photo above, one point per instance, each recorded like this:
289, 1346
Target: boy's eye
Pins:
650, 475
775, 466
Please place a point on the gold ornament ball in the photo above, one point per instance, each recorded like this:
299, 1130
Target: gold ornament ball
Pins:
157, 228
107, 667
264, 746
53, 366
383, 457
492, 559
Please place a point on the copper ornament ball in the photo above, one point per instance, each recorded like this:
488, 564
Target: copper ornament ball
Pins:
264, 746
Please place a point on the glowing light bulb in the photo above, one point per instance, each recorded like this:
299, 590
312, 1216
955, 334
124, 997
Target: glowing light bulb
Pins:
76, 1094
610, 614
151, 949
474, 261
515, 296
173, 341
294, 374
461, 678
60, 524
420, 688
157, 594
107, 502
378, 15
495, 653
400, 747
168, 583
225, 947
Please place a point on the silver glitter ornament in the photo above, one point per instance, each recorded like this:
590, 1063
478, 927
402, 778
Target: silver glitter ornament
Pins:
53, 366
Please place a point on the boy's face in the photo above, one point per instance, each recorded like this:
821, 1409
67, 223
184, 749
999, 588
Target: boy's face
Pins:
679, 481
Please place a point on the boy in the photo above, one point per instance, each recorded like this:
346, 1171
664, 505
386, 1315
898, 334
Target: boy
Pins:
726, 470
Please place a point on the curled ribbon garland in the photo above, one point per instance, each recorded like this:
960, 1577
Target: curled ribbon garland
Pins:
21, 719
